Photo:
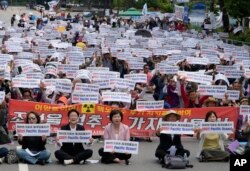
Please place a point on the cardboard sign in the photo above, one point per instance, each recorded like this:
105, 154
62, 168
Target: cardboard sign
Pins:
118, 146
73, 136
138, 78
49, 82
212, 90
122, 83
149, 105
84, 87
217, 127
26, 83
135, 65
33, 129
116, 97
177, 128
83, 74
84, 97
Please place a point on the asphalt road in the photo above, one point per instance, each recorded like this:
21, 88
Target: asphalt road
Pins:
144, 161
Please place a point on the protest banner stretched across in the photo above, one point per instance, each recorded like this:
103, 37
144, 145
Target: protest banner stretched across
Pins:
33, 129
74, 136
119, 146
95, 116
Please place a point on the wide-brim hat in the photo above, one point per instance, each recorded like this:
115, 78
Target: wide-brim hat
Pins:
210, 99
171, 112
243, 99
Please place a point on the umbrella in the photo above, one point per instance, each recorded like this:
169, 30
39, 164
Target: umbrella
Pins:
143, 33
4, 3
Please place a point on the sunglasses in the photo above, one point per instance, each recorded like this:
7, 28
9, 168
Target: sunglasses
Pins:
31, 118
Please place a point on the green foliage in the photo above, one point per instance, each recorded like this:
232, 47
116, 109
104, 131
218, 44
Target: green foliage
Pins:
244, 37
238, 8
195, 27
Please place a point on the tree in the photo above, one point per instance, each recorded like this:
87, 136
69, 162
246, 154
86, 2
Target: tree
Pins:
225, 17
238, 8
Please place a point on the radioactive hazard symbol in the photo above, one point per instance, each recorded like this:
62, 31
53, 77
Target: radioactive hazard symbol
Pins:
88, 108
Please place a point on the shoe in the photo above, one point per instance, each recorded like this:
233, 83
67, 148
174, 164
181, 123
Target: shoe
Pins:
127, 162
68, 162
41, 162
82, 162
1, 160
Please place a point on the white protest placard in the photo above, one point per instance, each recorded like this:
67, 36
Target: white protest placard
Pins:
135, 65
233, 94
49, 82
179, 12
122, 83
51, 69
103, 83
223, 68
2, 96
177, 128
83, 74
212, 90
244, 109
84, 97
176, 58
116, 97
14, 48
65, 87
74, 136
138, 78
7, 57
69, 69
149, 105
199, 61
84, 87
167, 69
130, 147
196, 77
26, 83
234, 73
104, 75
217, 127
97, 68
33, 129
34, 75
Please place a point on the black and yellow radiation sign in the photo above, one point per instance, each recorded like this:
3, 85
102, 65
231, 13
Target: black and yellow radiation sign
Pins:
88, 108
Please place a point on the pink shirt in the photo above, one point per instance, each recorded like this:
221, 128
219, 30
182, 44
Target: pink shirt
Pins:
109, 132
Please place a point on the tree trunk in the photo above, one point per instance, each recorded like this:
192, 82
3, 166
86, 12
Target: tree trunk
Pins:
212, 5
225, 17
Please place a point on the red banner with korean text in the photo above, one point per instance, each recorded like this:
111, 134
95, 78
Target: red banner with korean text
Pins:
95, 116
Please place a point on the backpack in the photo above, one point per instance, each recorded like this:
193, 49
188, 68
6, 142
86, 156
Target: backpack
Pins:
175, 162
12, 157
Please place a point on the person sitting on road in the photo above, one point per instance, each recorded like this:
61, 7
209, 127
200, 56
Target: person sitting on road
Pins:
211, 146
170, 143
33, 148
73, 153
115, 131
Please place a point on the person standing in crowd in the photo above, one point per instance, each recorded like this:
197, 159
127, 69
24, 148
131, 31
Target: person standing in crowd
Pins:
170, 143
211, 146
13, 19
73, 153
33, 148
115, 130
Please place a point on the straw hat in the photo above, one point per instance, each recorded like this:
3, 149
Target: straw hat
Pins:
171, 112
